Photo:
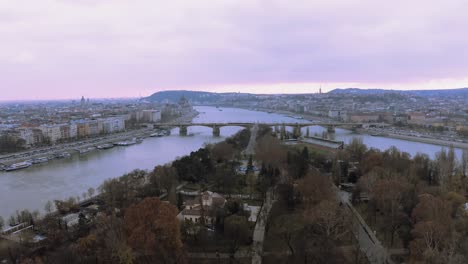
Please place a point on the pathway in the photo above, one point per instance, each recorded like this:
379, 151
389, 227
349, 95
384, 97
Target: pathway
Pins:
259, 231
250, 150
376, 253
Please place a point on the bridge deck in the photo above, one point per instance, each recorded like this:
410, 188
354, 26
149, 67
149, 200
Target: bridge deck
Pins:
268, 124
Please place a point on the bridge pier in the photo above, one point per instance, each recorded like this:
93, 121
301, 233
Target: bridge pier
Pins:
216, 131
331, 129
183, 130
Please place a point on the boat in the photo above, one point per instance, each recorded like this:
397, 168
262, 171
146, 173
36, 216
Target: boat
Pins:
18, 166
62, 155
105, 146
39, 160
157, 134
127, 142
86, 150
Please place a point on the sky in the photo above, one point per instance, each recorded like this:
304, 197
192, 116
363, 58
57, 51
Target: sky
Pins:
61, 49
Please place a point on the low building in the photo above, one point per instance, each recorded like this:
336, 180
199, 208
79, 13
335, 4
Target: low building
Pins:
203, 205
337, 114
359, 117
416, 118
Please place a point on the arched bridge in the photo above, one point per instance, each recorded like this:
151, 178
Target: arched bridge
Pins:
296, 125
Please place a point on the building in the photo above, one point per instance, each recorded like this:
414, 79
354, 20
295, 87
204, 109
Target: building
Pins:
51, 133
82, 129
416, 118
363, 117
337, 114
151, 116
203, 205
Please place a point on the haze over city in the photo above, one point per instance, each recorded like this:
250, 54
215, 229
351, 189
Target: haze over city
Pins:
56, 49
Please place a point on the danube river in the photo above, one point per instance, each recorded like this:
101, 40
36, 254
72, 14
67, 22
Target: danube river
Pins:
31, 188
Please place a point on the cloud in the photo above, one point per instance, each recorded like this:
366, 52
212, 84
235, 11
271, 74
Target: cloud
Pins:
126, 47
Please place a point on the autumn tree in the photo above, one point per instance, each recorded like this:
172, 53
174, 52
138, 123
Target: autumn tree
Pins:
111, 240
315, 188
222, 151
270, 151
330, 217
166, 178
153, 231
434, 237
388, 195
236, 229
287, 227
356, 149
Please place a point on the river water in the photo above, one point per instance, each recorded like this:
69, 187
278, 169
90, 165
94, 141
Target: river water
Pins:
31, 188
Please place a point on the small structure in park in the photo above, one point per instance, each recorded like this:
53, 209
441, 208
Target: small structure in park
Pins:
202, 207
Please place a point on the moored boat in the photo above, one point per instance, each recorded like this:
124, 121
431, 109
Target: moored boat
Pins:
39, 160
86, 150
105, 146
127, 142
62, 155
18, 166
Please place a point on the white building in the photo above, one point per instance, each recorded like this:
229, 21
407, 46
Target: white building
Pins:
27, 135
202, 205
151, 116
73, 131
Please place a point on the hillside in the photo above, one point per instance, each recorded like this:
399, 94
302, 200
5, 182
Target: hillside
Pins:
423, 93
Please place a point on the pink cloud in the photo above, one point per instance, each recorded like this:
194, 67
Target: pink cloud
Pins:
63, 49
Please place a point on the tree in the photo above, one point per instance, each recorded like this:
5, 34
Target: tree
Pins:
153, 231
315, 188
433, 229
287, 227
250, 166
222, 151
464, 163
166, 176
388, 195
112, 238
236, 228
356, 149
330, 217
270, 151
91, 192
49, 206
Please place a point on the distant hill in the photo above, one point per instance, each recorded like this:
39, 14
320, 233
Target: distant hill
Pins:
194, 96
174, 96
423, 93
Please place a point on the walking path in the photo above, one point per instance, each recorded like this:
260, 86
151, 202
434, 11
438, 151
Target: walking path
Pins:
250, 150
376, 253
259, 231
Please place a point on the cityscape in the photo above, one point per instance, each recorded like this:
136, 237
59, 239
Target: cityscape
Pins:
233, 132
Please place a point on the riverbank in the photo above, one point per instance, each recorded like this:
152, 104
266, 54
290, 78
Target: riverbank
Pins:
433, 141
76, 146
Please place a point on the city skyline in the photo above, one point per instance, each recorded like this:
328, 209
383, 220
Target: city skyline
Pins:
65, 49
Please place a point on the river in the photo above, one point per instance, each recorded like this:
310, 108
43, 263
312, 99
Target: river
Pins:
31, 188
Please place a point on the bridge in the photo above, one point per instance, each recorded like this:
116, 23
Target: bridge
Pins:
295, 125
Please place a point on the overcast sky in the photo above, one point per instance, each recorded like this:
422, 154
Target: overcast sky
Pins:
116, 48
